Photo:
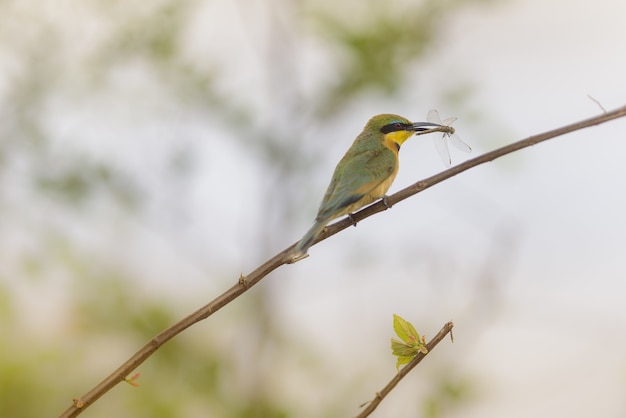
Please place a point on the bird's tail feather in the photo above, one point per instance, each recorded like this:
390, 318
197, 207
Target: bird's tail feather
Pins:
300, 250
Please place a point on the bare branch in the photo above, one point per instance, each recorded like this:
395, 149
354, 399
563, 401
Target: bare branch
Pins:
246, 282
373, 404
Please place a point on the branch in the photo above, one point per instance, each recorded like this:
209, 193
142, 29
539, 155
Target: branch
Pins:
373, 404
246, 282
453, 171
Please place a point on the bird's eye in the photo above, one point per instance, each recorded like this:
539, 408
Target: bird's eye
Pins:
398, 126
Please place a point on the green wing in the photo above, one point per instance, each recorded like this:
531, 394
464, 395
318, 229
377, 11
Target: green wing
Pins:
356, 175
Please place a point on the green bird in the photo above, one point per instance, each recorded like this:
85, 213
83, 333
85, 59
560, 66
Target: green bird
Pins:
363, 175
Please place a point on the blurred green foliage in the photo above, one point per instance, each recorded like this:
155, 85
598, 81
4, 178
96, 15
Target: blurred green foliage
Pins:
56, 58
447, 394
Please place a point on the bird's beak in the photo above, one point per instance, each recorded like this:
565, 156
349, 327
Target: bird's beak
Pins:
422, 126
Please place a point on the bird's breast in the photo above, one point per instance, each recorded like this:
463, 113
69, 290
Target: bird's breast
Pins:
382, 188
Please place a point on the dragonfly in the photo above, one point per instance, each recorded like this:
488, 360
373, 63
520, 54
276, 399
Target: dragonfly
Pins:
441, 142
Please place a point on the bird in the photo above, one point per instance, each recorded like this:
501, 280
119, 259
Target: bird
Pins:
363, 175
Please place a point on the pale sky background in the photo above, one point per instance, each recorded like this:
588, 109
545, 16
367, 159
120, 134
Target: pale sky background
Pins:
548, 222
558, 346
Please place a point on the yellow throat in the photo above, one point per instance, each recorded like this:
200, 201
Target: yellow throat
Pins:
393, 140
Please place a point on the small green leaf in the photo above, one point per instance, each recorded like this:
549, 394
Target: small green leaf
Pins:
133, 380
398, 348
402, 360
411, 343
400, 327
405, 330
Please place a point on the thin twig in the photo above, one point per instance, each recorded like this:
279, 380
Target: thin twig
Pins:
596, 101
246, 282
373, 404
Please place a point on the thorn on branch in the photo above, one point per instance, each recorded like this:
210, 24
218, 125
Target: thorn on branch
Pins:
243, 281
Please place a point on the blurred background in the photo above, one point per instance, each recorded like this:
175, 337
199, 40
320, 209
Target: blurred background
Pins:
150, 152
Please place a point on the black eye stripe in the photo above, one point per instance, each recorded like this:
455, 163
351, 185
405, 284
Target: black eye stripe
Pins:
393, 127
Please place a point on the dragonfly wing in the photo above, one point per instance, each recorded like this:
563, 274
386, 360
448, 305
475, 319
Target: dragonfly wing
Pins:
457, 142
433, 117
442, 148
441, 142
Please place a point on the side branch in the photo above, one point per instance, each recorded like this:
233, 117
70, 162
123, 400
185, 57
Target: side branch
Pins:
246, 282
373, 404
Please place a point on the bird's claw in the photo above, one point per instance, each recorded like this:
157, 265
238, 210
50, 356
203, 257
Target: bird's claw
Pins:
295, 257
385, 202
352, 219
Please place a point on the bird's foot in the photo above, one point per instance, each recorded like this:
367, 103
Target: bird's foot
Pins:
385, 202
294, 257
352, 219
